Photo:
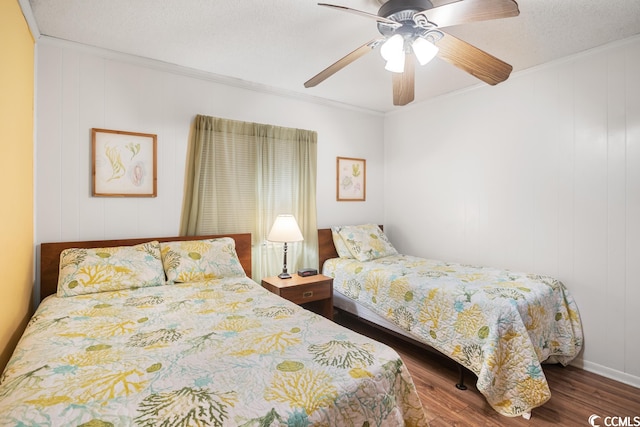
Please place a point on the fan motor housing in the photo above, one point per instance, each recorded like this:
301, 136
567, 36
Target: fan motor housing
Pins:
403, 12
393, 7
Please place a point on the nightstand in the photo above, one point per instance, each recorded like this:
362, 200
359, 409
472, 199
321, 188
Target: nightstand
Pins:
314, 293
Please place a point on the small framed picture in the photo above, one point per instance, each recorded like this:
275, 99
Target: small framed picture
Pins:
124, 163
351, 180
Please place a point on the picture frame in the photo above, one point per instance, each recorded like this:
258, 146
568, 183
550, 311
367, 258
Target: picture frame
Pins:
124, 163
351, 179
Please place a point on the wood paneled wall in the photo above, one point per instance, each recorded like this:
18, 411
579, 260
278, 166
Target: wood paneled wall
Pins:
79, 87
538, 174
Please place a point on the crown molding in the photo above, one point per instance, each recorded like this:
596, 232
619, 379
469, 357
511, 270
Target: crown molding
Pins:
199, 74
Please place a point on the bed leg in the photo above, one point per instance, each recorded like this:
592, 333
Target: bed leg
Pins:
460, 385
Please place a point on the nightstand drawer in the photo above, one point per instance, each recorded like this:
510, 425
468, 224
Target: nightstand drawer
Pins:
307, 293
314, 293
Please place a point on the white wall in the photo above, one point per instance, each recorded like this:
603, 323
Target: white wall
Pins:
79, 88
540, 174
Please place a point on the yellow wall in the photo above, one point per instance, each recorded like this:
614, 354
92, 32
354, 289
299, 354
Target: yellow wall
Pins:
16, 175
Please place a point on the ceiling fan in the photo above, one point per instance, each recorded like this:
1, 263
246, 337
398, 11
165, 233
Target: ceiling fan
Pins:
414, 29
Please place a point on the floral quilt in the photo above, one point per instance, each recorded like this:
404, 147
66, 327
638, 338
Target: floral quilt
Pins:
499, 324
221, 352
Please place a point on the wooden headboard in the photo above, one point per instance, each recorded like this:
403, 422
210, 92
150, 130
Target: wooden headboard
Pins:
50, 254
326, 248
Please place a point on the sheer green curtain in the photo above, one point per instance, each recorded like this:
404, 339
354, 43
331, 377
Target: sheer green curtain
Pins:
241, 175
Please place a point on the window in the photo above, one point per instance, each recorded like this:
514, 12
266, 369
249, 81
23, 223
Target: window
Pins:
241, 175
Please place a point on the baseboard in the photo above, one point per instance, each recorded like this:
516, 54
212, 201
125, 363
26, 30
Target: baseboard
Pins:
613, 374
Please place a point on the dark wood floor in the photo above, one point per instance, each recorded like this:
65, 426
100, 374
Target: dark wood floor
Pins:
575, 394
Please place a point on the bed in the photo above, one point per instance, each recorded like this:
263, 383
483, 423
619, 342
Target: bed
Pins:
172, 332
499, 324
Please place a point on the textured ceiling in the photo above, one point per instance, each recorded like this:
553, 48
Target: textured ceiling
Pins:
281, 44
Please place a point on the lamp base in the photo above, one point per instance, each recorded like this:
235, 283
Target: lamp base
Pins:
284, 275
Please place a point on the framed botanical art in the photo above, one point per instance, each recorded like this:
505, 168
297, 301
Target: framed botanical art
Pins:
351, 179
124, 163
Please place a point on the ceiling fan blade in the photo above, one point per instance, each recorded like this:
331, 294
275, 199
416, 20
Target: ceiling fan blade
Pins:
465, 11
341, 63
404, 83
474, 61
361, 13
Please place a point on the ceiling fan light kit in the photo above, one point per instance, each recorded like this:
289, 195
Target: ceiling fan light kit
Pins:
414, 28
394, 49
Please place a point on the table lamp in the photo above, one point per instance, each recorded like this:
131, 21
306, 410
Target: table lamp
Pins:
285, 229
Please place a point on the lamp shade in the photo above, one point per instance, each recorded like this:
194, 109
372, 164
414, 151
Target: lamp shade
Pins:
393, 47
395, 65
285, 229
424, 50
392, 51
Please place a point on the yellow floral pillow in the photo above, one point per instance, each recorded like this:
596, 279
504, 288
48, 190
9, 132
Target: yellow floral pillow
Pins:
341, 247
201, 260
87, 271
366, 242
